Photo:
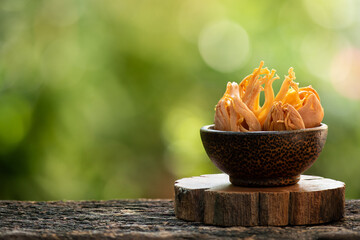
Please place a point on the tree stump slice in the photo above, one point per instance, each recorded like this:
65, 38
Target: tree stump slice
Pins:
213, 200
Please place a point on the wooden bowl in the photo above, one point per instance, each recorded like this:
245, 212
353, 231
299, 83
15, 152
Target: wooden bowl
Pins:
265, 158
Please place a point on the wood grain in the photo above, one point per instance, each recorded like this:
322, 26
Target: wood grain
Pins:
212, 199
146, 219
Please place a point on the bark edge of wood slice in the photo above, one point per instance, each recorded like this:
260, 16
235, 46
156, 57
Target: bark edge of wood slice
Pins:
213, 200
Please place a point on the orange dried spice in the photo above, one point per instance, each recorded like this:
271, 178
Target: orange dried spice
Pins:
292, 108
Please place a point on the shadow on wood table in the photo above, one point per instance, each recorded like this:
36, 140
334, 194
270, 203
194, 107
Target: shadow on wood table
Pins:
145, 219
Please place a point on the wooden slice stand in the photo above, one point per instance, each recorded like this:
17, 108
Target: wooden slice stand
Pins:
212, 199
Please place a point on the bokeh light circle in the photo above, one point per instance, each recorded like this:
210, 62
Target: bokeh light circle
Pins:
345, 72
334, 14
224, 46
318, 49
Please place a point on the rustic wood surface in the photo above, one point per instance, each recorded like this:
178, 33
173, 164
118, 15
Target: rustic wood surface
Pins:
145, 219
212, 199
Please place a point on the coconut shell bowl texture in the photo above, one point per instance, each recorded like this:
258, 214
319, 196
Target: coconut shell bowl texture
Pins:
264, 158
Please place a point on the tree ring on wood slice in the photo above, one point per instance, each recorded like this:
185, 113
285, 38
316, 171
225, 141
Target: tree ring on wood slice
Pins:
213, 200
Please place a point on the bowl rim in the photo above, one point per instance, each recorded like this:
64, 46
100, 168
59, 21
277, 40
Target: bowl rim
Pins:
207, 128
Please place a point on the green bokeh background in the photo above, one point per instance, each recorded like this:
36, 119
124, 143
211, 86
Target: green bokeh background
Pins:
104, 99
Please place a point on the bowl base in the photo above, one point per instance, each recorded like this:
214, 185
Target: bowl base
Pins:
264, 182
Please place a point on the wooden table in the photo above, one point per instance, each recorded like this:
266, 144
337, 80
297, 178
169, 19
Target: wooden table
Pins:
145, 219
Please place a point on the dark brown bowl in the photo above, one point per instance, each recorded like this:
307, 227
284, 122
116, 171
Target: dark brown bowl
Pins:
266, 158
